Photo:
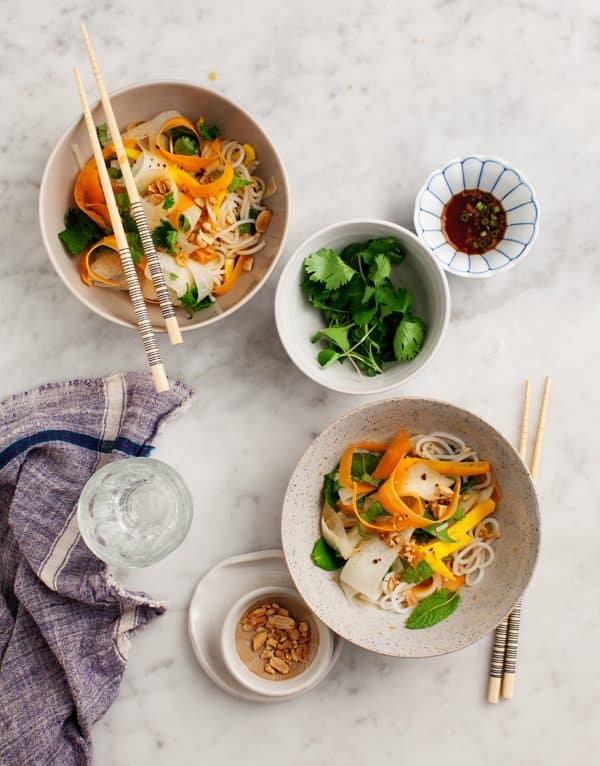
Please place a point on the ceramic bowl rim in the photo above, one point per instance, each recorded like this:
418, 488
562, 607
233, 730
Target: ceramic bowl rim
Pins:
460, 410
483, 158
371, 385
43, 191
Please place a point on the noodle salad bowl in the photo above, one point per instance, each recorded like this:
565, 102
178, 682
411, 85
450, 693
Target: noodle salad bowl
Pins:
360, 581
213, 189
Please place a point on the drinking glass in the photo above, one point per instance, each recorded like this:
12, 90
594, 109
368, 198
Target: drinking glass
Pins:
134, 512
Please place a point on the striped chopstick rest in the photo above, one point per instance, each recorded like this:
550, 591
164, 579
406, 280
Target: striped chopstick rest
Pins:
135, 202
140, 309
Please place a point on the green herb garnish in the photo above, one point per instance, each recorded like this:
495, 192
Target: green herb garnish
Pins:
247, 228
189, 301
368, 319
102, 133
422, 571
433, 609
373, 512
169, 201
114, 172
185, 144
331, 484
172, 276
237, 182
135, 246
325, 557
79, 232
363, 465
122, 200
184, 223
165, 236
207, 132
441, 534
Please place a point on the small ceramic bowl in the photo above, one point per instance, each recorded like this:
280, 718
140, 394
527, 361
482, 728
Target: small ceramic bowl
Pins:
492, 175
235, 643
297, 321
482, 606
142, 102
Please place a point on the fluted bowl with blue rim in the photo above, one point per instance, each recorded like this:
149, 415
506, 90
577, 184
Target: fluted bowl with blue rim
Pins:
492, 175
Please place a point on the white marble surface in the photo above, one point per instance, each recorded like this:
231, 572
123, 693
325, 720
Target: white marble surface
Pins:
363, 100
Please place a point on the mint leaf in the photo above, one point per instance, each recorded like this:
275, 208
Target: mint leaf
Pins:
380, 270
441, 534
433, 609
79, 232
169, 201
237, 183
102, 133
331, 484
373, 511
325, 557
326, 266
409, 338
185, 144
422, 571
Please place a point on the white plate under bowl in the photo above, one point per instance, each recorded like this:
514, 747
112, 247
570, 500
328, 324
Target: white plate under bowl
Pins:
216, 592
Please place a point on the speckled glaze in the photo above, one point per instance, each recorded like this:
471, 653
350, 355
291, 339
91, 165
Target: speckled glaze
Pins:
142, 102
483, 606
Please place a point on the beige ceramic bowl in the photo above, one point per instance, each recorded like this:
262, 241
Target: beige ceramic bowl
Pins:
142, 102
482, 607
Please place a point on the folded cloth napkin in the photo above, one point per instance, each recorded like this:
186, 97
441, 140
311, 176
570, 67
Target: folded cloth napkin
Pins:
64, 621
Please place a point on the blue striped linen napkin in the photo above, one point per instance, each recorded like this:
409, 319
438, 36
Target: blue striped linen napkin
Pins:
65, 622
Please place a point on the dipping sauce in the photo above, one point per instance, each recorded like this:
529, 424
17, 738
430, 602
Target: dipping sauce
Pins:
273, 643
473, 221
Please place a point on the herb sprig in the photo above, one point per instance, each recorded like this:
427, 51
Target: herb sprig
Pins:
369, 320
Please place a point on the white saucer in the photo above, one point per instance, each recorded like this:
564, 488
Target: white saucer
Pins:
212, 599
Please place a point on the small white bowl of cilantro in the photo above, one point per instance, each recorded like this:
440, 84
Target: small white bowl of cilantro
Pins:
362, 306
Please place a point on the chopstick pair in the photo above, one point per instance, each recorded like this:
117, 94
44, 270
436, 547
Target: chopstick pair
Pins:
157, 369
506, 640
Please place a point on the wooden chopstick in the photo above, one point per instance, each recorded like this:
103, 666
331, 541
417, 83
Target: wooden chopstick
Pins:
514, 620
157, 369
137, 211
500, 638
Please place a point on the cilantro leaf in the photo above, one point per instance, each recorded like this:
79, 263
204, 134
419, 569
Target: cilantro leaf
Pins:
79, 232
399, 301
184, 223
326, 266
122, 200
169, 201
207, 132
409, 338
247, 228
337, 335
324, 556
422, 571
172, 276
189, 300
114, 172
433, 609
380, 269
135, 246
102, 133
165, 236
185, 144
237, 182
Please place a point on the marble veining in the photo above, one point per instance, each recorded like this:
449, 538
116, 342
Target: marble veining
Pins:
363, 100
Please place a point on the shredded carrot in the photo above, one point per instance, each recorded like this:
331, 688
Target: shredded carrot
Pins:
451, 467
396, 450
191, 162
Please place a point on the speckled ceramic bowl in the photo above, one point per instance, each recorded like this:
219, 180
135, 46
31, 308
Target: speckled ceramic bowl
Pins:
483, 606
490, 174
